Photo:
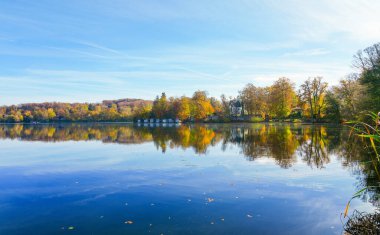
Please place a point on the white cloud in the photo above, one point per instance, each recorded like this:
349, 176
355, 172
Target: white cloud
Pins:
310, 52
326, 19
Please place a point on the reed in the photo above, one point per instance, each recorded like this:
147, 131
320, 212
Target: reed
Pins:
370, 132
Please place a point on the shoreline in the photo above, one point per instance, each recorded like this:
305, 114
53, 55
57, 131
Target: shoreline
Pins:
148, 123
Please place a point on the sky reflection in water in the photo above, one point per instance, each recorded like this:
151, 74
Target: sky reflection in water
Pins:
199, 179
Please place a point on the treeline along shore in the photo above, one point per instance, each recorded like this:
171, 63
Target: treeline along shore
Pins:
313, 101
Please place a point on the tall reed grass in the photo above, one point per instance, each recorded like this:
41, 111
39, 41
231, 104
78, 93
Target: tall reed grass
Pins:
370, 132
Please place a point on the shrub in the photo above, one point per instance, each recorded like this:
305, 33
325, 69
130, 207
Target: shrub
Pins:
256, 119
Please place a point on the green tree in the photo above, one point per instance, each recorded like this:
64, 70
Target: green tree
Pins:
368, 61
333, 107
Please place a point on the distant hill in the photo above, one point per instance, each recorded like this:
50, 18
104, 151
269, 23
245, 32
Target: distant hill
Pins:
128, 102
121, 103
107, 110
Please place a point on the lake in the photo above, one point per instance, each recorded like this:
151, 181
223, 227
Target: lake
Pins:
187, 179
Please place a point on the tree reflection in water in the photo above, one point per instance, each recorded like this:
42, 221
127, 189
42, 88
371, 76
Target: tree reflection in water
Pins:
284, 143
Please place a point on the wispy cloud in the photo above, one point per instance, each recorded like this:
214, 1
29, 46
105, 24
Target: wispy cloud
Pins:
310, 52
328, 20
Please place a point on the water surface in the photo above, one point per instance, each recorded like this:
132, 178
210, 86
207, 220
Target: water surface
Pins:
188, 179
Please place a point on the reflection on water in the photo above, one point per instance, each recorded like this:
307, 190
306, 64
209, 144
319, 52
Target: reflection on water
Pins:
317, 161
281, 142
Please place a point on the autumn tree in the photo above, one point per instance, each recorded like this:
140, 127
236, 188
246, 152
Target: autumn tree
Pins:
184, 108
281, 97
50, 114
143, 111
41, 114
112, 113
216, 105
349, 94
313, 93
3, 111
255, 99
201, 105
247, 95
160, 106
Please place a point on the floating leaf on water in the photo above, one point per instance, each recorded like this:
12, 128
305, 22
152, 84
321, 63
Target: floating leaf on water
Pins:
209, 199
128, 222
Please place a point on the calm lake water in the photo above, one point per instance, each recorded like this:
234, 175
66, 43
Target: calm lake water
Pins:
197, 179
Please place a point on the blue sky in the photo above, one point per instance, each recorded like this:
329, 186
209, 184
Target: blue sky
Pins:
88, 51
